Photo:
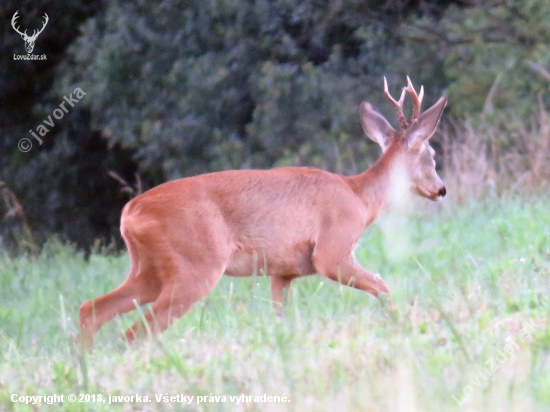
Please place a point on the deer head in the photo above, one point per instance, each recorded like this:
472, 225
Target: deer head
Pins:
29, 40
415, 155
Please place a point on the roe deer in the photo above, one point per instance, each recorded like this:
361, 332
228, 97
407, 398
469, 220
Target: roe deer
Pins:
184, 234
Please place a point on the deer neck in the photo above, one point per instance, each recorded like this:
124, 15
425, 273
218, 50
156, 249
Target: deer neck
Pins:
376, 185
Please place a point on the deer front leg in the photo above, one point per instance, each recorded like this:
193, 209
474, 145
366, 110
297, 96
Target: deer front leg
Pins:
280, 290
348, 272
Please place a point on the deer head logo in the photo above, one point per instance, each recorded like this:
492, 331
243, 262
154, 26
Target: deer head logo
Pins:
29, 40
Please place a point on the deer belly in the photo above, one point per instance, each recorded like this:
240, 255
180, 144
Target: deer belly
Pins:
282, 260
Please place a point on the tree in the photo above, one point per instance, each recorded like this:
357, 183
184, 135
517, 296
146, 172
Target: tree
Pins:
493, 53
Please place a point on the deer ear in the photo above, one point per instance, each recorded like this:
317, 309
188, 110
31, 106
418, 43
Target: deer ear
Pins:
376, 126
424, 127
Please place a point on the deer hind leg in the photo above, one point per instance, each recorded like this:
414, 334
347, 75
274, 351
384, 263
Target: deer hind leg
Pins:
178, 295
142, 285
94, 313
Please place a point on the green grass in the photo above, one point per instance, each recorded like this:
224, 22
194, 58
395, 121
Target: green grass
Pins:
471, 286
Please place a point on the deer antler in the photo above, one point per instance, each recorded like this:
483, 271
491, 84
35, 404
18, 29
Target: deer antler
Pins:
416, 98
35, 32
13, 22
397, 104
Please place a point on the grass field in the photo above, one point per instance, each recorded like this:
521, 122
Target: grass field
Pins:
471, 286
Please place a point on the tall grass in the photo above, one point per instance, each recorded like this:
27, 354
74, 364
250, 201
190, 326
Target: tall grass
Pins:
470, 288
499, 155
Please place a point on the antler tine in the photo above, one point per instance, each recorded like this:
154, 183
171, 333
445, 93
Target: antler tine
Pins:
47, 19
37, 32
416, 98
14, 22
397, 104
14, 19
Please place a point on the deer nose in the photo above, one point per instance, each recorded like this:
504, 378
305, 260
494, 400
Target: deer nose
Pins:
442, 192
